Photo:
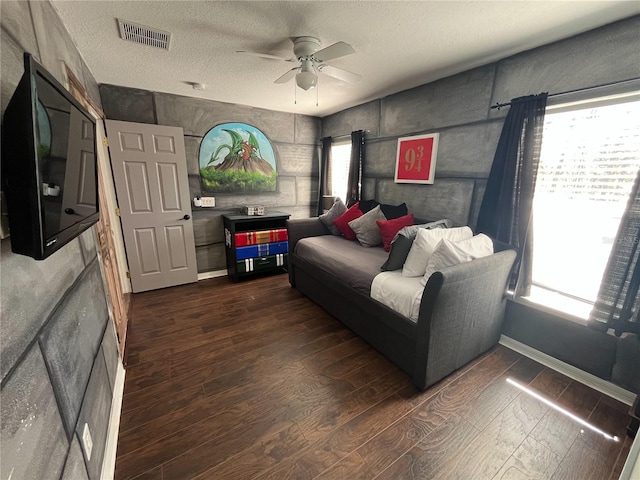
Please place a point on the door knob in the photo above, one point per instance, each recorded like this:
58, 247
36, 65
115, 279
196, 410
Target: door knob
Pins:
186, 217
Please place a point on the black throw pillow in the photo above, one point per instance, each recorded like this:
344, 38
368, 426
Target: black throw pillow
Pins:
398, 254
366, 205
394, 211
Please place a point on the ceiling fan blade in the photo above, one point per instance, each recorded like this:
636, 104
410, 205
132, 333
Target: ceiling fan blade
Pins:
340, 74
265, 55
287, 76
336, 50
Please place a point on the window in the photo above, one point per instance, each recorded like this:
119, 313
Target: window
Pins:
589, 160
339, 169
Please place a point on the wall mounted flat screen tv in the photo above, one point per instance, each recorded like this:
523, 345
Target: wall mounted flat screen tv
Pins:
49, 172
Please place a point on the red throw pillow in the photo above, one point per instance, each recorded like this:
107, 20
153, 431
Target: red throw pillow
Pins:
389, 228
342, 222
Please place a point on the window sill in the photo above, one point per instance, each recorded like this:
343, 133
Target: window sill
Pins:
567, 308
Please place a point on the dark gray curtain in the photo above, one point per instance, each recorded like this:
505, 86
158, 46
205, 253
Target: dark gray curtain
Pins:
355, 168
324, 188
505, 212
618, 302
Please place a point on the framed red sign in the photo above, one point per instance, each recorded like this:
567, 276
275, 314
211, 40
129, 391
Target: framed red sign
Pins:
416, 159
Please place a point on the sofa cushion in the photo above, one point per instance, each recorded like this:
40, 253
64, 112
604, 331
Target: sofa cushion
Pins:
448, 253
394, 211
337, 209
347, 261
366, 228
424, 245
389, 228
342, 222
402, 242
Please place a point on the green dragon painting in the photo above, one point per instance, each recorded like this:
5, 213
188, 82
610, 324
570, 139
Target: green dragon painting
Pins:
237, 158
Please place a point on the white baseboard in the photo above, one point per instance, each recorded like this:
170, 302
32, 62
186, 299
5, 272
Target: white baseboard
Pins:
213, 274
602, 386
109, 459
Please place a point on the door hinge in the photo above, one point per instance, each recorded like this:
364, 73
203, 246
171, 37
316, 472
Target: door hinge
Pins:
128, 275
105, 141
117, 212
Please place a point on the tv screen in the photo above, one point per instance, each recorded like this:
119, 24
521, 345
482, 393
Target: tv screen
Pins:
48, 164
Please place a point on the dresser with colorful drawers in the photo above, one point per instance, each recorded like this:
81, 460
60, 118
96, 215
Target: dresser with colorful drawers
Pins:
255, 244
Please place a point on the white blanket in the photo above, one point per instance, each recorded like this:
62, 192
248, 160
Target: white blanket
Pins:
401, 294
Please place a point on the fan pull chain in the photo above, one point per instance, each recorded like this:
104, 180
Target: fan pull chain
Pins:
295, 94
317, 88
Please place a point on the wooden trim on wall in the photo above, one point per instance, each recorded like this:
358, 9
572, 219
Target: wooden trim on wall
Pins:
77, 90
119, 304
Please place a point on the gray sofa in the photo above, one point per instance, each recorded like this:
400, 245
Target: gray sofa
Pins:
461, 311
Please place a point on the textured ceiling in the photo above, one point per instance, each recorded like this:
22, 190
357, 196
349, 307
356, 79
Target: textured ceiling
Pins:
399, 44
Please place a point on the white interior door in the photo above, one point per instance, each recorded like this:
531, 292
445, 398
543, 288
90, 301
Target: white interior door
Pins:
150, 173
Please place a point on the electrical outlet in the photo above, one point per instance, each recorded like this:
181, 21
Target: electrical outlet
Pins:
208, 201
87, 443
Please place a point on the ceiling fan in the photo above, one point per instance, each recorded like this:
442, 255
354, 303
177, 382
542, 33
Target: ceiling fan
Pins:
312, 60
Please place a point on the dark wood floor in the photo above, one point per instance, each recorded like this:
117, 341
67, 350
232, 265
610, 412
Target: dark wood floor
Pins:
253, 381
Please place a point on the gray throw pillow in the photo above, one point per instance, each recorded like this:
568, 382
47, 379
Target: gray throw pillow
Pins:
336, 210
412, 230
403, 241
366, 228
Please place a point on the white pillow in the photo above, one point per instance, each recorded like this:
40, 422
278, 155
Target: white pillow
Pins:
424, 245
449, 253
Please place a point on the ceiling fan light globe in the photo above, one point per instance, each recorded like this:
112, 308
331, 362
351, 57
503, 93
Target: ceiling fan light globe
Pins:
306, 80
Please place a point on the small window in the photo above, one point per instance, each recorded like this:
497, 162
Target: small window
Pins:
589, 160
339, 169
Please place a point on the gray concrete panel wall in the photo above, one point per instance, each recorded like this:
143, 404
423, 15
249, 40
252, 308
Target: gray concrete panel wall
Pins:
11, 66
298, 160
110, 352
34, 443
54, 43
307, 129
192, 152
455, 100
450, 198
71, 340
363, 117
127, 104
295, 140
380, 158
16, 21
37, 295
96, 406
468, 150
74, 469
604, 55
197, 116
27, 304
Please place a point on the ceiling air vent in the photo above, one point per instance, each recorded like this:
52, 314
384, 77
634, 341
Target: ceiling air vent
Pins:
144, 35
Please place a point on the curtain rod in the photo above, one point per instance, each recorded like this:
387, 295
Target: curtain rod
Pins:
347, 135
500, 105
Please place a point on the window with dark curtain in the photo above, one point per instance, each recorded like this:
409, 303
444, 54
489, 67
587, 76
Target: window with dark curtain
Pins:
618, 302
505, 212
324, 188
354, 183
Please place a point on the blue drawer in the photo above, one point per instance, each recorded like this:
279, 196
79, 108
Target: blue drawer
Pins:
261, 250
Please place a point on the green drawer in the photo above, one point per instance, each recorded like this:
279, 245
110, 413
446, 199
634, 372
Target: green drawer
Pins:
261, 264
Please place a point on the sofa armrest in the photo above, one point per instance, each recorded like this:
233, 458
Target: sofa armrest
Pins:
302, 228
460, 315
